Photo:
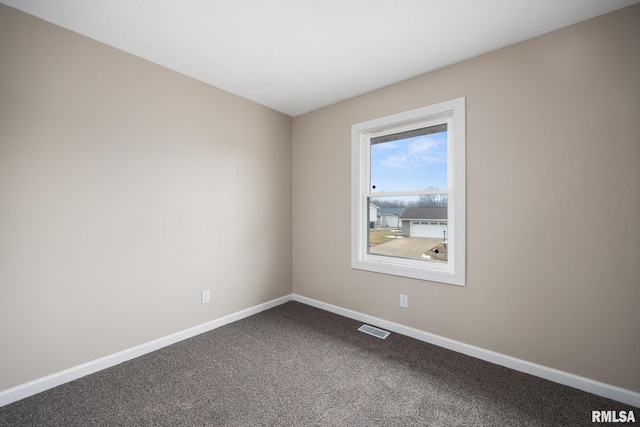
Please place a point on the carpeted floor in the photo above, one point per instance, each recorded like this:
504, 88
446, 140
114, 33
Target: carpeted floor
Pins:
296, 365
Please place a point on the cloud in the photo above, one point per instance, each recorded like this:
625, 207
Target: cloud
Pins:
412, 153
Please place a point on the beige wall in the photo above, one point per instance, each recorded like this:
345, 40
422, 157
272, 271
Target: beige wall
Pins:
125, 190
553, 203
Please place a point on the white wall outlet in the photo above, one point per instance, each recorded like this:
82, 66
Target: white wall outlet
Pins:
206, 297
404, 301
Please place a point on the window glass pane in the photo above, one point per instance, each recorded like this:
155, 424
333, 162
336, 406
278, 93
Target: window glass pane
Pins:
411, 160
412, 227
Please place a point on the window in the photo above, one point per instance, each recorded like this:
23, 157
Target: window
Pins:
410, 165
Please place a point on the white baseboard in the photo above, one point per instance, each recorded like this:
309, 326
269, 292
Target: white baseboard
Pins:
585, 384
595, 387
41, 384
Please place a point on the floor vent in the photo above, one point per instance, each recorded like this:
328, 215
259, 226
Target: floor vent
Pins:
372, 330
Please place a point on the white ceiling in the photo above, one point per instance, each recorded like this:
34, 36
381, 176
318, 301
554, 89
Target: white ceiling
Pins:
299, 55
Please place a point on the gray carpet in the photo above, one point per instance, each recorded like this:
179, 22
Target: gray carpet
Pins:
295, 365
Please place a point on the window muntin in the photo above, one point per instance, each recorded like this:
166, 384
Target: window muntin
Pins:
410, 167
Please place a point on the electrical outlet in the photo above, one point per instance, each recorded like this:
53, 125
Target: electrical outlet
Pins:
206, 297
404, 301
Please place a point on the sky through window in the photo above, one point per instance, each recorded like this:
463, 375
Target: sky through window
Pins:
414, 163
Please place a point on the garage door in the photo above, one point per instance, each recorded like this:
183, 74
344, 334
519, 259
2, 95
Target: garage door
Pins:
428, 229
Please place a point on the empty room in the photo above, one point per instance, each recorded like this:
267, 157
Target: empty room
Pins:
344, 213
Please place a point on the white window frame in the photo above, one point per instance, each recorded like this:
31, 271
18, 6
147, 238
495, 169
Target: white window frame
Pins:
453, 271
